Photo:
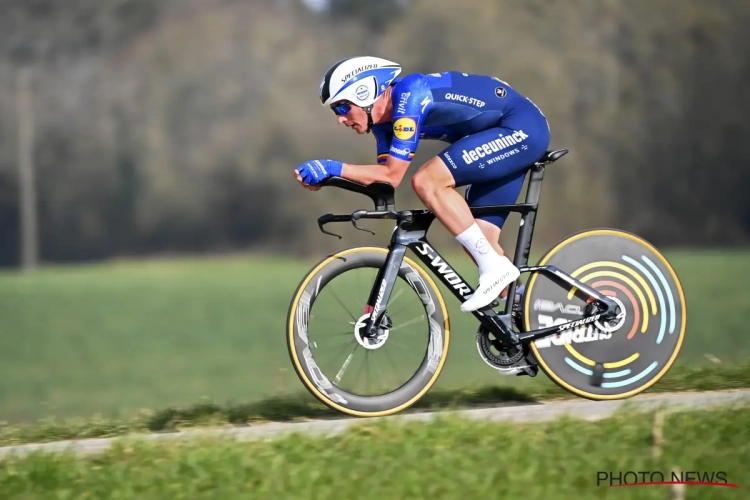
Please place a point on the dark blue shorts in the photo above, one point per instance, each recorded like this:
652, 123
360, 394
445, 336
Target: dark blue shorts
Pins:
493, 163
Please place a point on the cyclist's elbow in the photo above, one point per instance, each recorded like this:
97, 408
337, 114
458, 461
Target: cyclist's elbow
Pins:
394, 179
395, 173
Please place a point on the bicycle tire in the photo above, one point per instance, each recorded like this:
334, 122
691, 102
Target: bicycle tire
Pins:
301, 355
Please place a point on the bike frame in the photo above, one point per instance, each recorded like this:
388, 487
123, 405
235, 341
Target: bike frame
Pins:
411, 232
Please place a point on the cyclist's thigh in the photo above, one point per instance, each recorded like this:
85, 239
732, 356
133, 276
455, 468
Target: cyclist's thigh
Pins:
503, 191
495, 153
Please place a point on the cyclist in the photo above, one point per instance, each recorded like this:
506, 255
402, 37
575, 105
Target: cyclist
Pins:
495, 135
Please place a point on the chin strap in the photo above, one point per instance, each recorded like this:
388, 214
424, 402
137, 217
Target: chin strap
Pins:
368, 110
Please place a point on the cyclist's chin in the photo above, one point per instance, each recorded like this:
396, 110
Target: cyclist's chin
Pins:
358, 128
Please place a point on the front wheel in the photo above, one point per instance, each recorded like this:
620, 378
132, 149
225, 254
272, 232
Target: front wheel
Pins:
357, 375
622, 357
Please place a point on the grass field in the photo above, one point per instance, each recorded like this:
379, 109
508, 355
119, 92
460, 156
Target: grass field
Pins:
447, 458
120, 337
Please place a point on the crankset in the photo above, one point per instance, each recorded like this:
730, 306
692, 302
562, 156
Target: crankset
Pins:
507, 361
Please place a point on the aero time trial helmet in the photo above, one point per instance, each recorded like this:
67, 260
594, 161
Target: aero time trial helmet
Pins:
359, 80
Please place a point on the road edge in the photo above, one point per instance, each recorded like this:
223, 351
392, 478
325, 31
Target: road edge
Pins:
515, 412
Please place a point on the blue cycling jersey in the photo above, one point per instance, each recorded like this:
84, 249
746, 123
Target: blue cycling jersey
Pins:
447, 107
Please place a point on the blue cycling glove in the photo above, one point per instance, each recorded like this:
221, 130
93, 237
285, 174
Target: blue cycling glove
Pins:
316, 171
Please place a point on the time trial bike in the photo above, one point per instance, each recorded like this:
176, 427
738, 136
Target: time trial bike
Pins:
603, 313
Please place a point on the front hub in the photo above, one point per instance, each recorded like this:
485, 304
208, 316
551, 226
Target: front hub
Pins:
381, 332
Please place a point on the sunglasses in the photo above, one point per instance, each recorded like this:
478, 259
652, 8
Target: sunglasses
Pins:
341, 108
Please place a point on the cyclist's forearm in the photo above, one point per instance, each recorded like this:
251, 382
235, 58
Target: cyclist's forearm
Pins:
367, 174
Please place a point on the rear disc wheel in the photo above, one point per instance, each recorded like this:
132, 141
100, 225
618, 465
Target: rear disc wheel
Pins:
626, 354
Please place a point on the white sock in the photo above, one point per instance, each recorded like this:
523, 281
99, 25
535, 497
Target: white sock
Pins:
476, 243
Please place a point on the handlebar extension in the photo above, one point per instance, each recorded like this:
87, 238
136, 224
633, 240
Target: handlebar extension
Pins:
354, 217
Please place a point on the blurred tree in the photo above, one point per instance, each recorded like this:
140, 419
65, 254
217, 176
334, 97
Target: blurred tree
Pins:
376, 16
175, 124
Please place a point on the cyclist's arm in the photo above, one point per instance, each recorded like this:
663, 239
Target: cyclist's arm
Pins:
383, 134
392, 172
412, 99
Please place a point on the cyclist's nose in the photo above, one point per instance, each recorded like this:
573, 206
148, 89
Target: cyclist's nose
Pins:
342, 119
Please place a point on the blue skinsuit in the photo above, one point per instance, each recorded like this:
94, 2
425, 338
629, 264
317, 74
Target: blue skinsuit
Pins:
495, 133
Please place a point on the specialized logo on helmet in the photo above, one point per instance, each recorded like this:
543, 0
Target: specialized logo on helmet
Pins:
404, 128
358, 71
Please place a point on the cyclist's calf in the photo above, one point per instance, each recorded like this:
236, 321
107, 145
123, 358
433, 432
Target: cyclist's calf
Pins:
492, 233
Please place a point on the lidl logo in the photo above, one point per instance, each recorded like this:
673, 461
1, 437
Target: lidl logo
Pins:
404, 128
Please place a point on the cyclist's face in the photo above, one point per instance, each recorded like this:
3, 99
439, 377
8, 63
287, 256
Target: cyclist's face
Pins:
351, 115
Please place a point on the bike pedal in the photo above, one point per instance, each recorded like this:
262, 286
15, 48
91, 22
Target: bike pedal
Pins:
511, 370
519, 370
528, 370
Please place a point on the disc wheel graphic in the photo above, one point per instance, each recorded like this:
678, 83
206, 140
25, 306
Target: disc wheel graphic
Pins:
623, 357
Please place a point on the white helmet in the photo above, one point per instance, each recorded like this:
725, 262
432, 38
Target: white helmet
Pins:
359, 80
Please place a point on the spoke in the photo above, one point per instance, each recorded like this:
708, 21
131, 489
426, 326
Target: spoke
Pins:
335, 335
395, 370
397, 344
360, 304
380, 378
337, 353
401, 306
333, 341
359, 284
341, 372
348, 286
342, 305
367, 361
395, 296
355, 387
312, 316
407, 323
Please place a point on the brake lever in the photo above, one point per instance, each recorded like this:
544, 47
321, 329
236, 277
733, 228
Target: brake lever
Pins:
322, 223
356, 215
354, 223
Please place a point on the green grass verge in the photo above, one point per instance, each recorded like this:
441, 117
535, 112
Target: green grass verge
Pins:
115, 338
303, 406
448, 458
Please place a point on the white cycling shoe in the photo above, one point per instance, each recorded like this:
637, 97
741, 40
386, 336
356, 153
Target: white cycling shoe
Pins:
490, 286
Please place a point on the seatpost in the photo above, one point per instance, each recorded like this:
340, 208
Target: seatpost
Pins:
535, 184
526, 232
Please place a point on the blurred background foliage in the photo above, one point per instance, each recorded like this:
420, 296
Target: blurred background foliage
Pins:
165, 126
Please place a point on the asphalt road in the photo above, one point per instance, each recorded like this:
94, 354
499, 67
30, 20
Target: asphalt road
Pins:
519, 412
